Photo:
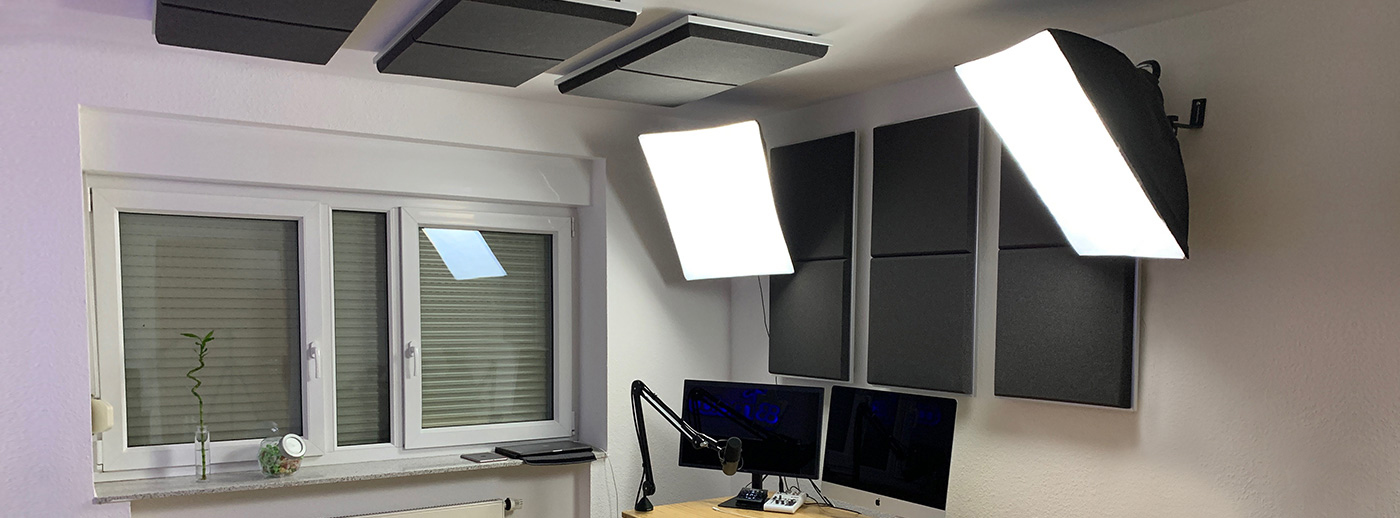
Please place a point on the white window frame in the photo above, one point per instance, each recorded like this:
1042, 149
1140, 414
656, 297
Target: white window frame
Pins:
314, 206
313, 220
562, 425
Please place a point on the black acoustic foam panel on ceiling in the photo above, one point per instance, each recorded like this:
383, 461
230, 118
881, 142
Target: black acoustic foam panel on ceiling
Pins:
636, 87
307, 31
472, 66
814, 190
1066, 327
925, 185
690, 60
1025, 222
811, 333
332, 14
500, 42
921, 311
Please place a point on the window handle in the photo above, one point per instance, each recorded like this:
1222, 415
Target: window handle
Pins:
313, 355
410, 353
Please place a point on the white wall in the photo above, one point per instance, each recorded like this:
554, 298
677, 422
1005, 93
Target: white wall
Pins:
1269, 384
659, 327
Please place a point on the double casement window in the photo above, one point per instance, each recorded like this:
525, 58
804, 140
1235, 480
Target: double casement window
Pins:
375, 327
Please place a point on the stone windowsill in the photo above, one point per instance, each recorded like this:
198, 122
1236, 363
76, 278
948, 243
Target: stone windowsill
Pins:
128, 490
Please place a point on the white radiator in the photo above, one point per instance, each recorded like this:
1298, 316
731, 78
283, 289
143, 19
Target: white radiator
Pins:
491, 509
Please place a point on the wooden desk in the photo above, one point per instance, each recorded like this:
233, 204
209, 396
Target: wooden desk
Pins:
706, 509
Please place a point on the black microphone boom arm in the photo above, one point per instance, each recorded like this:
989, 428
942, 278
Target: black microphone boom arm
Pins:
697, 440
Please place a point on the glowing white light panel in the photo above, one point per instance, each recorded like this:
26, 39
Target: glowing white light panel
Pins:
715, 189
1032, 98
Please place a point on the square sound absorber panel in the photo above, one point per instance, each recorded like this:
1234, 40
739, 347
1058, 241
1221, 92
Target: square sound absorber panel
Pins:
1025, 221
814, 191
690, 59
811, 332
921, 316
1066, 327
501, 42
309, 31
924, 197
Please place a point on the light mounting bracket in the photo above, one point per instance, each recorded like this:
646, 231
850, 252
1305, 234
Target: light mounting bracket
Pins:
1198, 116
1198, 106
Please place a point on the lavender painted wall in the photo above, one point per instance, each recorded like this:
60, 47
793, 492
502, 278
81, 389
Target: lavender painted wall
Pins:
57, 58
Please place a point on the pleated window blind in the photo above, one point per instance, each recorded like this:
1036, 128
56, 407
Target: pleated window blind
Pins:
360, 253
236, 277
487, 343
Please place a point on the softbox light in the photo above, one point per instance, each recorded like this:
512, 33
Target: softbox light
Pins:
718, 199
1088, 128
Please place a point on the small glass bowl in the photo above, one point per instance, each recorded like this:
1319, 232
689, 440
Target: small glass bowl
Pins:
281, 455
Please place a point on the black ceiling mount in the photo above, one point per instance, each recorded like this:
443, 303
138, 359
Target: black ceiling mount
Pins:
501, 42
690, 59
305, 31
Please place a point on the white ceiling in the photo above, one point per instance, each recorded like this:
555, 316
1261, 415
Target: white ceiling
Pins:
873, 42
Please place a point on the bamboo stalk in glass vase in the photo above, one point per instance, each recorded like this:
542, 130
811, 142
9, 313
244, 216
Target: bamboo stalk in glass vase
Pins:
201, 433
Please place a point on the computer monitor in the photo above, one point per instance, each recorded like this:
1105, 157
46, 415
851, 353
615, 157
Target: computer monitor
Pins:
780, 426
889, 451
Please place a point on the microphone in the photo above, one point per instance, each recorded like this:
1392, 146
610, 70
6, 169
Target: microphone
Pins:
731, 455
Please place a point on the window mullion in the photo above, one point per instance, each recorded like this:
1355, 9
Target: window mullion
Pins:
409, 354
317, 352
397, 390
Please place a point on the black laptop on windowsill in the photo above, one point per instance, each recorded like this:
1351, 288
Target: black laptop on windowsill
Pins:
553, 452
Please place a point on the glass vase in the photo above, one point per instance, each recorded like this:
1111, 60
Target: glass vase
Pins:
201, 461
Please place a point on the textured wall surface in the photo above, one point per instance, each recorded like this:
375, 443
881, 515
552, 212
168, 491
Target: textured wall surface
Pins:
1269, 384
56, 60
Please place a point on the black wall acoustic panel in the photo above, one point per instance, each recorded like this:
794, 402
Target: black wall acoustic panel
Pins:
1066, 327
925, 185
501, 42
1025, 222
307, 32
811, 331
814, 190
921, 311
714, 55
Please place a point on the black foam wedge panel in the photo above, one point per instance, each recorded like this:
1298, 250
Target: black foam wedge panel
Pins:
500, 42
921, 322
814, 190
691, 59
1066, 326
924, 198
309, 31
811, 330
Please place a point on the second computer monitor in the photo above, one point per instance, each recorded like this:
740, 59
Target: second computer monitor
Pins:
780, 425
889, 451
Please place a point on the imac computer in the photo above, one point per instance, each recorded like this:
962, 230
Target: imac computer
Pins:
780, 426
889, 451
